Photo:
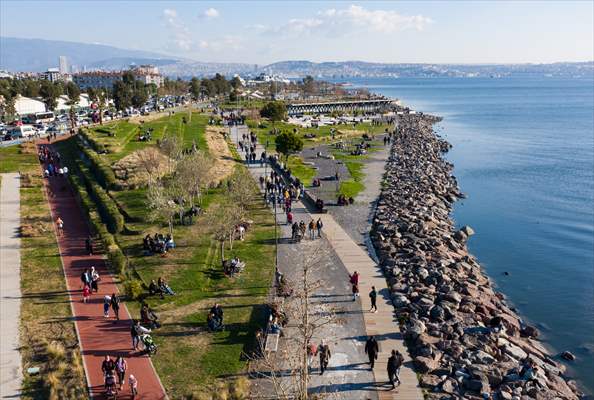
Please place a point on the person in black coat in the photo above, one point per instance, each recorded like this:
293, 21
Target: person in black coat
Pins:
394, 364
371, 349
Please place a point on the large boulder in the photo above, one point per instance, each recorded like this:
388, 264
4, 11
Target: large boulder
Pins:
426, 364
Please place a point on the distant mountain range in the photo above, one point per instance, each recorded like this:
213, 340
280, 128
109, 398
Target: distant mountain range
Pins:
36, 55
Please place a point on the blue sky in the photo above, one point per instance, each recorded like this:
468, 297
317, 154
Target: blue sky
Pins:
268, 31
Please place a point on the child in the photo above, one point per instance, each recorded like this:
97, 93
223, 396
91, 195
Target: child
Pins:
133, 385
106, 304
86, 293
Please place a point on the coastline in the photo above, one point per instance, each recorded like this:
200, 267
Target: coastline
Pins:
439, 290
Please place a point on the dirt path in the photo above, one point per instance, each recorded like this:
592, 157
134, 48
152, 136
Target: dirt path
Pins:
98, 336
224, 163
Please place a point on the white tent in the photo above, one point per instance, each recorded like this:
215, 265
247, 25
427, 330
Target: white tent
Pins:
25, 105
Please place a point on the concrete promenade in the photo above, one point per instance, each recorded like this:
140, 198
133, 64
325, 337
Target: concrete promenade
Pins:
381, 324
10, 286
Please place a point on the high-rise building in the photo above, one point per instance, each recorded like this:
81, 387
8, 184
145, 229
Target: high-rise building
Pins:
63, 65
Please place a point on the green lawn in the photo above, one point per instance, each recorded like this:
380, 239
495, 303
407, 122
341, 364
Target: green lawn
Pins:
21, 157
322, 133
191, 360
304, 172
125, 140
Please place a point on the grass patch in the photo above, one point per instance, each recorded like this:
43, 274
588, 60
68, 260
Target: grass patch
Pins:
304, 172
21, 157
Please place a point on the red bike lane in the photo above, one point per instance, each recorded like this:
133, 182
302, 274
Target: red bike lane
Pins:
98, 336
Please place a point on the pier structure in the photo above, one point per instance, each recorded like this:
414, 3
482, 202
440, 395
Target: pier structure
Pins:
346, 105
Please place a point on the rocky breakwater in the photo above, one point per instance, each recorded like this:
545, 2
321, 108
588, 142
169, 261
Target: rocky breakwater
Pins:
466, 342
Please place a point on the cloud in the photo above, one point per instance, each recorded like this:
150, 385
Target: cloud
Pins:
179, 33
377, 20
211, 13
223, 44
346, 21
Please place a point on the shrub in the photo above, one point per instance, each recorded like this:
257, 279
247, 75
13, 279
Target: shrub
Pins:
116, 259
105, 206
102, 172
133, 289
97, 146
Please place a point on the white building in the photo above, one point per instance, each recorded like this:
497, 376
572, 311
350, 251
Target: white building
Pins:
25, 105
63, 65
148, 74
53, 75
63, 106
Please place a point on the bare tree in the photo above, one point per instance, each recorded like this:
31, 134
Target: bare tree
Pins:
149, 161
288, 373
193, 170
223, 220
171, 146
241, 189
162, 204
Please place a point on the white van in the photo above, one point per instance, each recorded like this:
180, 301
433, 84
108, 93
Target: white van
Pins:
22, 131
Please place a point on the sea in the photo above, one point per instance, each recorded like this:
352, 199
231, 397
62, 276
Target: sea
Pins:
523, 151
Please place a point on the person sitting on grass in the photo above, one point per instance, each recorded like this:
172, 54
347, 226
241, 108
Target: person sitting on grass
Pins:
164, 287
155, 289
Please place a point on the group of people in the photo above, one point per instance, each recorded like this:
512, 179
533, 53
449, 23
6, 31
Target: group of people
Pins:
117, 368
395, 360
52, 162
233, 266
247, 144
314, 228
158, 244
160, 287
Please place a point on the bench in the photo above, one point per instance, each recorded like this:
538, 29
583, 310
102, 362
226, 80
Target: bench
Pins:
271, 344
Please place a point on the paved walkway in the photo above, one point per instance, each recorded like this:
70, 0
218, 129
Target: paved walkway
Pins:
97, 335
10, 286
348, 376
381, 324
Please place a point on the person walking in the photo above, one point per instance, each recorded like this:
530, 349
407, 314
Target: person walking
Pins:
95, 280
372, 350
106, 304
115, 305
311, 230
319, 226
60, 225
312, 351
373, 298
85, 278
135, 333
324, 352
394, 364
86, 293
133, 382
89, 245
354, 279
121, 367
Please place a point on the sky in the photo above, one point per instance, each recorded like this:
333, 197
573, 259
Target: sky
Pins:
262, 32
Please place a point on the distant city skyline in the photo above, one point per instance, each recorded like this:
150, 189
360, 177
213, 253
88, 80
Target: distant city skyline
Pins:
266, 32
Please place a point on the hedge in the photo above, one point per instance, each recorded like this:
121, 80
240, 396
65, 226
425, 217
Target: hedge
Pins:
102, 172
97, 146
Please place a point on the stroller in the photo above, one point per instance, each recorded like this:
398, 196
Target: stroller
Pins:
149, 345
111, 391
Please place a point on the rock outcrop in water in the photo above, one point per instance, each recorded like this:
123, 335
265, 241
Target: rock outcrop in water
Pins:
464, 339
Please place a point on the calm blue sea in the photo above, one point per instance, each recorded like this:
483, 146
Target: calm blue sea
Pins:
524, 154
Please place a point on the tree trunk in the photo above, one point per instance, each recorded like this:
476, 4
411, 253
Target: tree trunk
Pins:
223, 250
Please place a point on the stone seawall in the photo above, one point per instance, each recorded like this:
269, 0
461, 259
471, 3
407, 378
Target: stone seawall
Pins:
465, 340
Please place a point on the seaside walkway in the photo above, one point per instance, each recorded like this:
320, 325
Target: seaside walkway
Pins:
10, 286
98, 336
381, 324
